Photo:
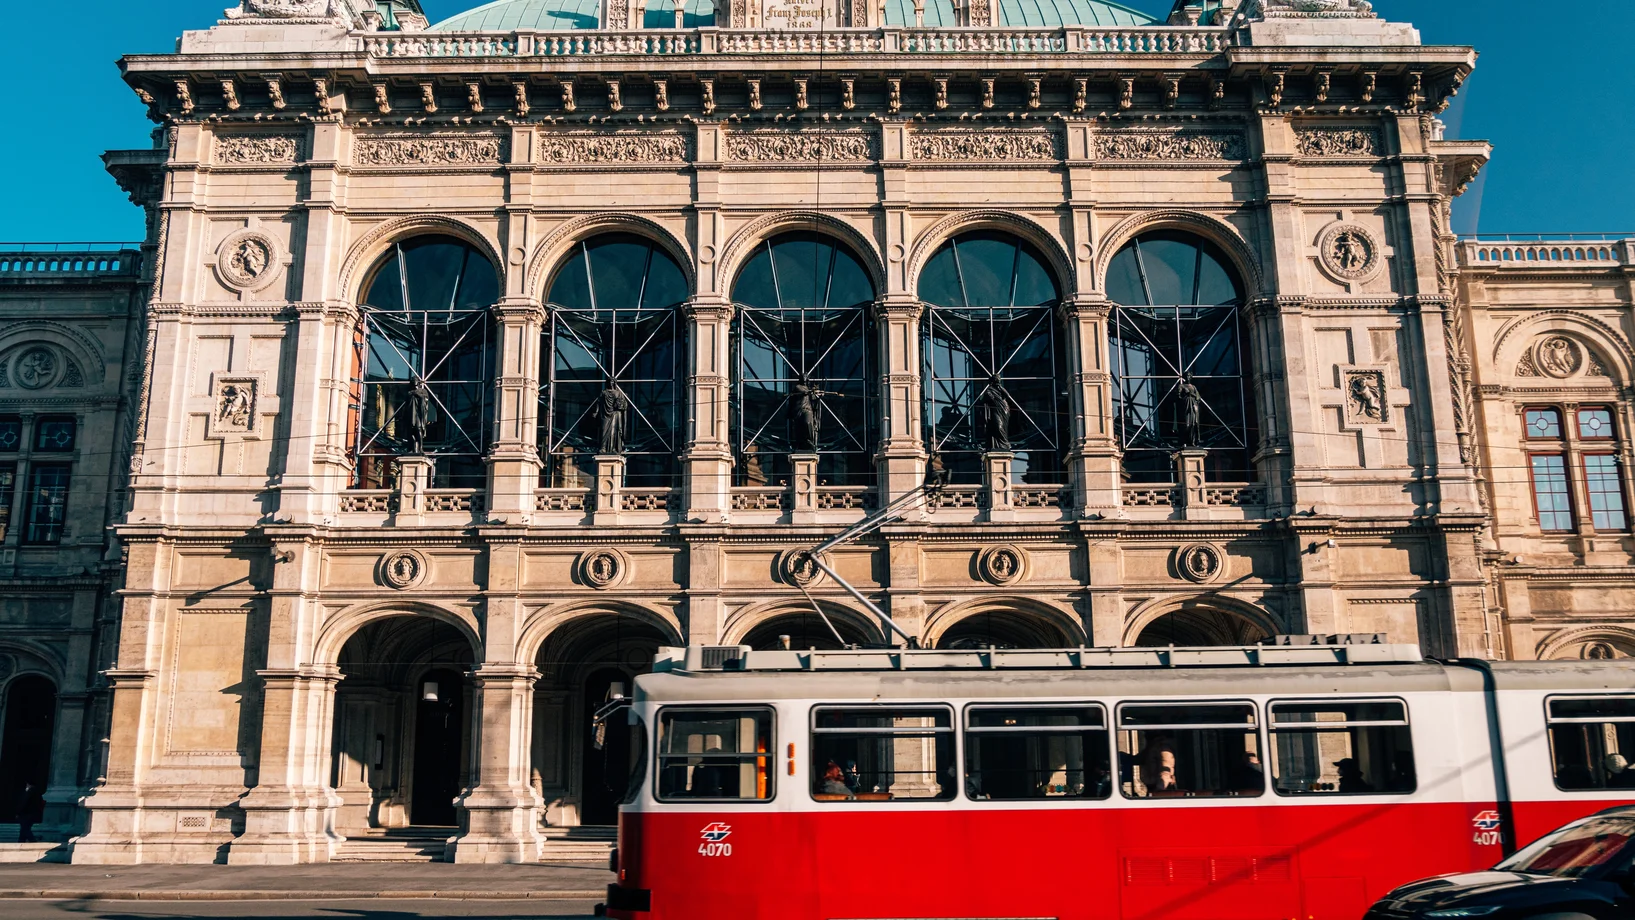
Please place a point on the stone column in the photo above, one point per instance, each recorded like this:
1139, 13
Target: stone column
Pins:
1092, 454
609, 489
902, 457
514, 463
803, 485
502, 810
414, 476
997, 485
708, 460
288, 815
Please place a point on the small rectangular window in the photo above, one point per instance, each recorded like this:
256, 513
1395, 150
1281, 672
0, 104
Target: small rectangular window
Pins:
1544, 423
1551, 493
715, 755
1191, 750
1592, 742
1342, 748
54, 434
1037, 752
47, 503
11, 434
8, 488
1606, 491
1595, 424
882, 754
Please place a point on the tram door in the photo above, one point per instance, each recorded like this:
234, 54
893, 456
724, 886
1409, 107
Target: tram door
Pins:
438, 739
605, 772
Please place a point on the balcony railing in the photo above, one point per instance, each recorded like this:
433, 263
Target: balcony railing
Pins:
1530, 252
66, 260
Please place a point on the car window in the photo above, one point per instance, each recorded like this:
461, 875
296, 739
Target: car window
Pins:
1592, 741
1576, 849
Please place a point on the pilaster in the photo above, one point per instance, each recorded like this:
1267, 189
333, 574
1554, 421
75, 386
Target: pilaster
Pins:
707, 462
502, 810
514, 463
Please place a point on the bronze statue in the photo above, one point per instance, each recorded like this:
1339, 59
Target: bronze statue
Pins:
1191, 412
996, 414
420, 416
805, 414
611, 410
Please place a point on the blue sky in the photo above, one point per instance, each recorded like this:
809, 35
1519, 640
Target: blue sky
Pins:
1552, 97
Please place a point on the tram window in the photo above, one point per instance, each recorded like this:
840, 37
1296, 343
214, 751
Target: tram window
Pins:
1342, 748
1592, 742
1037, 752
715, 754
1189, 750
882, 754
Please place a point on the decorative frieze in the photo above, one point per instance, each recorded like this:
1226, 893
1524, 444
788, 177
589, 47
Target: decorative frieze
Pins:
257, 149
786, 146
985, 145
430, 150
1337, 142
1170, 145
613, 148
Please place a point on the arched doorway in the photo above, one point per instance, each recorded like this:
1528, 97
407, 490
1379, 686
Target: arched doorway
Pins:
25, 743
402, 732
806, 630
1002, 628
579, 663
1201, 626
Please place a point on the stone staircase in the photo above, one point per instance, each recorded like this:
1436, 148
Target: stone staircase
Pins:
400, 844
589, 844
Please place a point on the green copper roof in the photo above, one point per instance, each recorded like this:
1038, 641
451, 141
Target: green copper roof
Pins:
512, 15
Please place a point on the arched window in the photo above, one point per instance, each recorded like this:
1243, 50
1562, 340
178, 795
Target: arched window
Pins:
614, 325
803, 337
1179, 373
424, 364
993, 361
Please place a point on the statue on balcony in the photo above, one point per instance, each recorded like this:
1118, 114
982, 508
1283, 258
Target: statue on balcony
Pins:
421, 415
611, 409
1192, 403
995, 402
806, 414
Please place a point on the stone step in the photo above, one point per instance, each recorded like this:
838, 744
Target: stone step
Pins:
392, 849
579, 844
33, 852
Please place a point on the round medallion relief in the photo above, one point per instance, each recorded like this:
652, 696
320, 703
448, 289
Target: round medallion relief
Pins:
1558, 356
1200, 562
1003, 564
404, 568
603, 568
1348, 253
797, 568
247, 260
36, 368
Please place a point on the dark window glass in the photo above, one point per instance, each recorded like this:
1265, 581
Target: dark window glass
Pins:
1332, 748
993, 362
8, 489
424, 364
1592, 741
615, 331
47, 502
1551, 493
882, 754
1186, 751
54, 434
1606, 491
1543, 423
804, 340
1577, 848
715, 754
1595, 424
11, 434
1037, 753
1177, 347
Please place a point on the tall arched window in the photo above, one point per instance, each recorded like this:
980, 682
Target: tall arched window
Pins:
424, 364
615, 323
993, 361
1179, 372
803, 340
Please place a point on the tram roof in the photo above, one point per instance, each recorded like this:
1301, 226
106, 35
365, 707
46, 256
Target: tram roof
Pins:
741, 658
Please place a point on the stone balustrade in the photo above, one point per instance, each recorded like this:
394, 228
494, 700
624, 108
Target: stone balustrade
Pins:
21, 261
1484, 253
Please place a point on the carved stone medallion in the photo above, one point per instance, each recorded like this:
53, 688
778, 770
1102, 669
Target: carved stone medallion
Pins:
1558, 356
36, 368
603, 568
235, 405
1348, 253
1002, 565
1200, 563
797, 568
404, 568
1365, 397
247, 260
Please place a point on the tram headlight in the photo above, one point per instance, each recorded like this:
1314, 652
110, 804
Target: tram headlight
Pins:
1458, 913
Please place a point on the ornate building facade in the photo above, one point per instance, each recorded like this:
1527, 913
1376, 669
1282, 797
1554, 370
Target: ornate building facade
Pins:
487, 357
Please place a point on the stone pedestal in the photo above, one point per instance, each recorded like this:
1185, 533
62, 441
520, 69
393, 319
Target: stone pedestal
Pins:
1189, 474
609, 489
803, 483
414, 477
996, 485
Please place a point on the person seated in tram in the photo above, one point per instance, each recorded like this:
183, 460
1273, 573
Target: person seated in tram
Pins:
1157, 765
1351, 776
1249, 778
715, 775
834, 782
1619, 773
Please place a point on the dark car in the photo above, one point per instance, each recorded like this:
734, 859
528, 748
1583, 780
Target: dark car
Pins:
1584, 871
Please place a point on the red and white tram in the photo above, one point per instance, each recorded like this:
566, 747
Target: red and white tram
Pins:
1216, 784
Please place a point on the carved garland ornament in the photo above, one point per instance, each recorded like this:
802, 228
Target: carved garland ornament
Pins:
430, 150
1337, 142
1348, 253
603, 568
984, 145
783, 146
403, 569
257, 149
1200, 563
1002, 565
613, 148
1169, 145
247, 260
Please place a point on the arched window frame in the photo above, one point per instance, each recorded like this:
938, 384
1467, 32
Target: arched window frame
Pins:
1039, 427
450, 346
626, 343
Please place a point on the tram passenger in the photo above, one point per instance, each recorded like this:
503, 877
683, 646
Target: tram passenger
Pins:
1619, 773
1158, 766
834, 782
1249, 778
1351, 776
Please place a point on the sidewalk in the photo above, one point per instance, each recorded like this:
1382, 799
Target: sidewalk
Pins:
314, 882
